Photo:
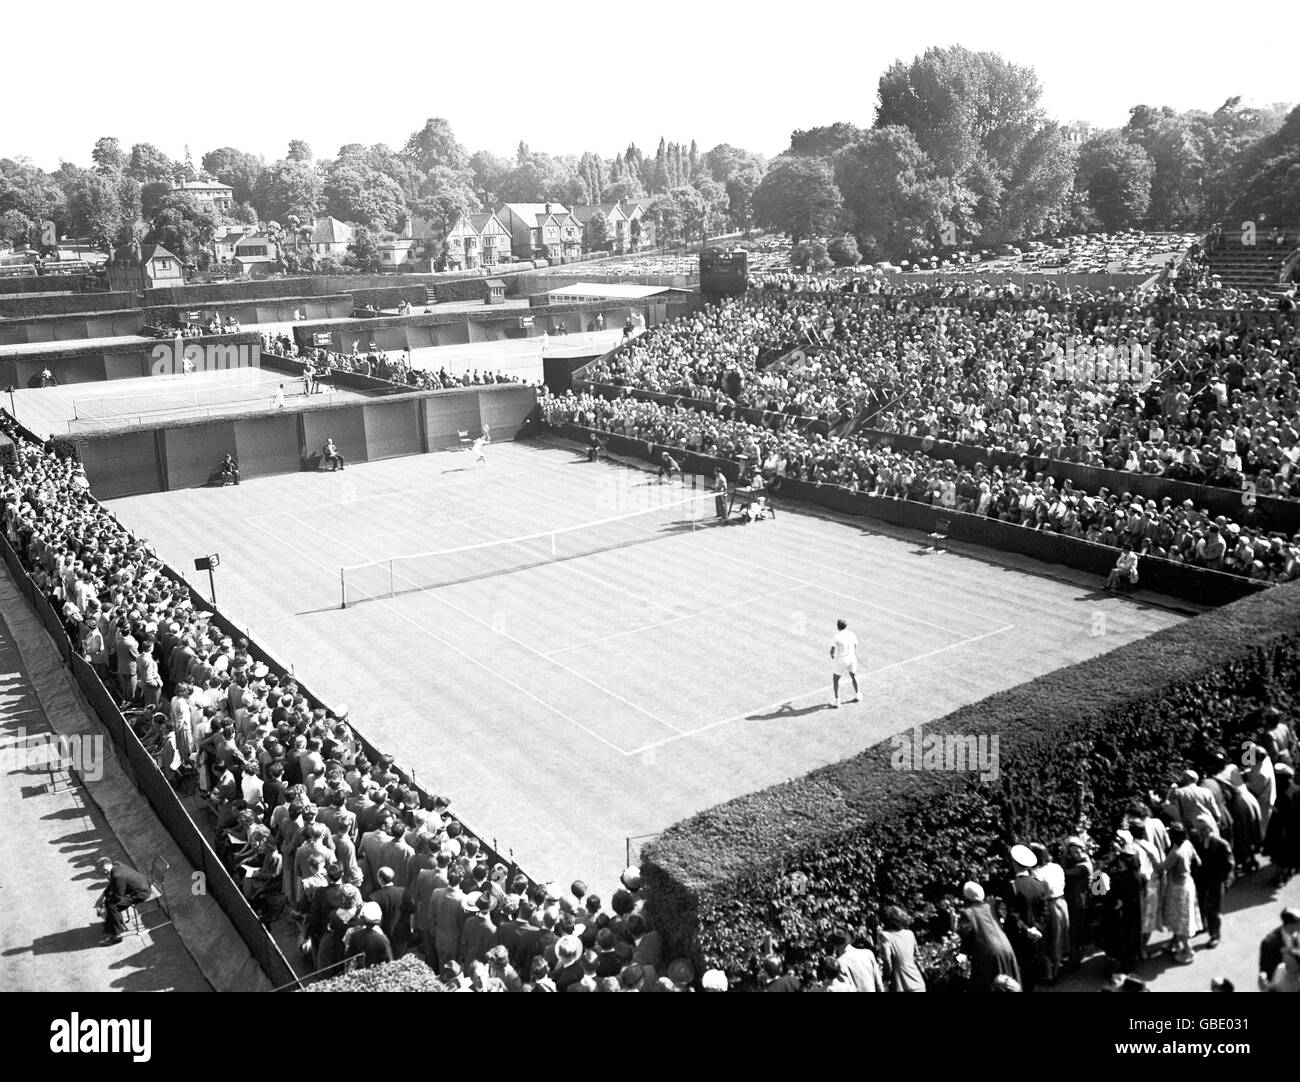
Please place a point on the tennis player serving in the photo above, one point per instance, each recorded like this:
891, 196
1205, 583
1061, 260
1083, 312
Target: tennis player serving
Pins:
844, 659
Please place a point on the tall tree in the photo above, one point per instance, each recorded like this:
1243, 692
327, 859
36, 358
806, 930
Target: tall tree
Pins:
148, 163
979, 121
237, 168
448, 199
299, 151
108, 155
288, 187
799, 196
486, 171
823, 142
184, 226
435, 146
1116, 176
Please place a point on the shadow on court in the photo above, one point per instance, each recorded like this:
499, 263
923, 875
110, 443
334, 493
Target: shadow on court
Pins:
787, 710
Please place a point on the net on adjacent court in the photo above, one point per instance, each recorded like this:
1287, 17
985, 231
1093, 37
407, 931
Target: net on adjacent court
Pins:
397, 575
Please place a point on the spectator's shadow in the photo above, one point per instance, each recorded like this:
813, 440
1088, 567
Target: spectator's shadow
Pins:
71, 939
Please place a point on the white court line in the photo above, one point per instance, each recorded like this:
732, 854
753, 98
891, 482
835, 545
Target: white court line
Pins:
468, 657
838, 515
674, 620
821, 688
517, 641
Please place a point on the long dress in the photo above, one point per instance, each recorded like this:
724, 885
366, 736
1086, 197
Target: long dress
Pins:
1122, 924
1182, 914
1152, 879
1078, 882
1056, 931
987, 946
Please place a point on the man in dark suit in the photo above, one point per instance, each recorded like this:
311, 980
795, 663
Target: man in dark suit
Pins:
126, 888
1273, 945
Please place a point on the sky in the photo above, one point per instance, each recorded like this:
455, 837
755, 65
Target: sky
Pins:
576, 76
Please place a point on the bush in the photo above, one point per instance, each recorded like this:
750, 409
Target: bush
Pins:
407, 974
798, 860
844, 251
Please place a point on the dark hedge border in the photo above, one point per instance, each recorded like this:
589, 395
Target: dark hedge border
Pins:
409, 973
1075, 745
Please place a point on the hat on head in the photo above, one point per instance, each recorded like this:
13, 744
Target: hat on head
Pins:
681, 972
1024, 856
972, 892
714, 980
631, 975
371, 913
631, 878
568, 949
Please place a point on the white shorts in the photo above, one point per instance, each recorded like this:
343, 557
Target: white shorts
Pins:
846, 666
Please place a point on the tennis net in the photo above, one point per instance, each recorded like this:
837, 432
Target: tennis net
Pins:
397, 575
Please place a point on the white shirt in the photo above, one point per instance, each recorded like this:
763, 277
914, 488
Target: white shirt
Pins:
478, 446
844, 645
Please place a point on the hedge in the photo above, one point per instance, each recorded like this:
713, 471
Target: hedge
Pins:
408, 974
796, 861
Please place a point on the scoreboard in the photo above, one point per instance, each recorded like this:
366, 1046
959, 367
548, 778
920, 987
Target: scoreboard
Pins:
724, 272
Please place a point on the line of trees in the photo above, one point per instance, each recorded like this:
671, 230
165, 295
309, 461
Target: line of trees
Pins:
960, 152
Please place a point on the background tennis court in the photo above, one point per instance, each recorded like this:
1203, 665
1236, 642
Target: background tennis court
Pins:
570, 705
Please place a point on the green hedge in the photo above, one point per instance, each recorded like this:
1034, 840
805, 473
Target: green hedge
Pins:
408, 974
1074, 746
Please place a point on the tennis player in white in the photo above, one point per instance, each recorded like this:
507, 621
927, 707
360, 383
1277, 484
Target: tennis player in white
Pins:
844, 658
479, 454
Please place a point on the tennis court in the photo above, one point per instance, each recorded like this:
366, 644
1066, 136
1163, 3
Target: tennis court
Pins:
126, 403
657, 665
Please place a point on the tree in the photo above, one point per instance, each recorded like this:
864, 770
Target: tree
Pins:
94, 207
1116, 177
716, 203
151, 195
184, 226
623, 190
691, 211
435, 146
32, 192
843, 251
148, 163
237, 168
15, 226
895, 198
450, 198
539, 179
1269, 188
597, 233
823, 142
288, 187
354, 191
244, 214
363, 252
810, 255
486, 171
798, 196
741, 186
592, 177
666, 215
299, 151
108, 155
978, 120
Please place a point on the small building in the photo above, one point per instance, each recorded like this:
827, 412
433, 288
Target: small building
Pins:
220, 197
137, 266
330, 238
641, 227
477, 240
541, 230
496, 291
255, 266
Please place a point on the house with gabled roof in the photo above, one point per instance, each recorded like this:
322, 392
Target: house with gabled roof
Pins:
477, 240
616, 226
541, 230
330, 238
641, 227
144, 266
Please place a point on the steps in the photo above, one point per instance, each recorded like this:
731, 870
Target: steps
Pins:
1251, 267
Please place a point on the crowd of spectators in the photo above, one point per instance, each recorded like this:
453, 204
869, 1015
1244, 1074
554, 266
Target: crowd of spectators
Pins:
1165, 868
378, 364
313, 829
1026, 497
1213, 402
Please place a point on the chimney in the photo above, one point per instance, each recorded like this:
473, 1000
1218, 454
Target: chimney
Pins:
548, 208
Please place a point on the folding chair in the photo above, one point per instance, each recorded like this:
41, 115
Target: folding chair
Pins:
158, 893
465, 442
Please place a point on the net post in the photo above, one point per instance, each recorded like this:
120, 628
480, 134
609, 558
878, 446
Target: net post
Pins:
343, 587
390, 579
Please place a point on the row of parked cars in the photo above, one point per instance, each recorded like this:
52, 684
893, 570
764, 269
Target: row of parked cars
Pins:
1087, 253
